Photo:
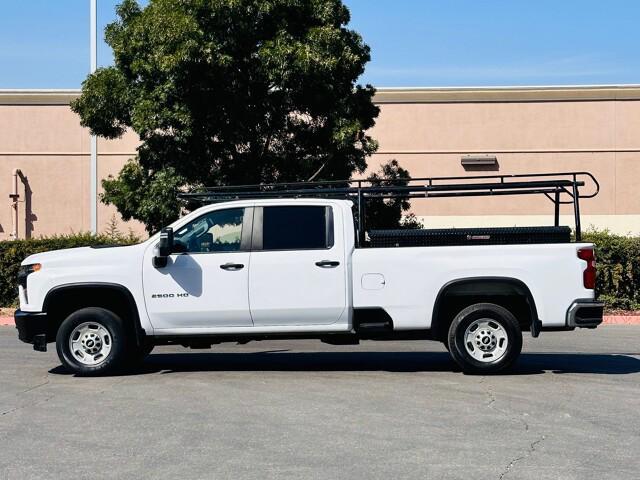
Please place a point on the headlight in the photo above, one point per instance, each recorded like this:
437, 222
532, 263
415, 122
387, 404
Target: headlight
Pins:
25, 271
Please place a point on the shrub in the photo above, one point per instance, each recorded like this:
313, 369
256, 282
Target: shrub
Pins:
13, 252
618, 264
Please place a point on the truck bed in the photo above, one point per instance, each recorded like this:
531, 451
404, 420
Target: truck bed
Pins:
468, 236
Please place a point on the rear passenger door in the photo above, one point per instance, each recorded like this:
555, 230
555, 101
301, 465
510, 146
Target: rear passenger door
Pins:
297, 273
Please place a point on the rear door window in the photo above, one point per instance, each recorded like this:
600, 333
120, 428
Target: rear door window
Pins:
297, 228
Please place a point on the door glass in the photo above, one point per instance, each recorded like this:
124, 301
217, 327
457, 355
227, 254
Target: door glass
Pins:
218, 231
296, 228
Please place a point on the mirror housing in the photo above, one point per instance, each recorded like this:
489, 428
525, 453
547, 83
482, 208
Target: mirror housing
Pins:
163, 248
165, 245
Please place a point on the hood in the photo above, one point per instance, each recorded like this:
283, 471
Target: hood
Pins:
83, 255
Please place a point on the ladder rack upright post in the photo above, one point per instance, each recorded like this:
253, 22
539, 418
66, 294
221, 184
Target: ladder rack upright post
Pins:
556, 213
576, 208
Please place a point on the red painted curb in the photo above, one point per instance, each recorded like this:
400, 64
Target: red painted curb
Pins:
6, 321
621, 320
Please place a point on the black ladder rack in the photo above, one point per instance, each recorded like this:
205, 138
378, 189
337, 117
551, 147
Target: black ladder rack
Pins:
560, 188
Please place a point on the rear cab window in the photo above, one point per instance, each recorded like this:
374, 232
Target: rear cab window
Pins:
297, 228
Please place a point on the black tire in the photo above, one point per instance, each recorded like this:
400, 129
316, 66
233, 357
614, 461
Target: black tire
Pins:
473, 316
137, 354
146, 350
117, 341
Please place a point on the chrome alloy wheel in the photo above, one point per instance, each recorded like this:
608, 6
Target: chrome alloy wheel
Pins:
90, 343
486, 340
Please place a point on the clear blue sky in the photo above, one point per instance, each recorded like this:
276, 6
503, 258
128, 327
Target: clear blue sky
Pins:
44, 43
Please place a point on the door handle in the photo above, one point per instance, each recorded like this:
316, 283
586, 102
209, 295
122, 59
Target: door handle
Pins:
232, 266
327, 264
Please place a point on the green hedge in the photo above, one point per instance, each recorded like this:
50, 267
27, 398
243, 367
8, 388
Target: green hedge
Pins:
13, 252
618, 266
618, 261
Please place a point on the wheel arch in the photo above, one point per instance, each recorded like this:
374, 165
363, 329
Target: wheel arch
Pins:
111, 296
481, 288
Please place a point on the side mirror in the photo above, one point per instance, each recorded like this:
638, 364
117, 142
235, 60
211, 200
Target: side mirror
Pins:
164, 248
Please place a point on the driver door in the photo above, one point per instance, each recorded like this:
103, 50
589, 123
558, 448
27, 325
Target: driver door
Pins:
205, 283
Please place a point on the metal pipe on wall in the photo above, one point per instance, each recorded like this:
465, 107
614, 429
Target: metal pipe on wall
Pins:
14, 196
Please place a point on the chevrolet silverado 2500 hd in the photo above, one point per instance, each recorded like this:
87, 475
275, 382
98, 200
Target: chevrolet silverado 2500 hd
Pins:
264, 266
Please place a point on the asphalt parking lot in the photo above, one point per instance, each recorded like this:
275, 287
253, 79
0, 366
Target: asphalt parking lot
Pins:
285, 409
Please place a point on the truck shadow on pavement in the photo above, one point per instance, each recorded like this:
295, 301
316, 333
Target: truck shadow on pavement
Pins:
286, 361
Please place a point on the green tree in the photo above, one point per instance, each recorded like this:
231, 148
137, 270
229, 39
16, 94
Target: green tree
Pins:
386, 213
228, 92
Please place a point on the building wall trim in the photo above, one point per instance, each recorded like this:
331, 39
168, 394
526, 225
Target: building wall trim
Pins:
64, 154
378, 152
507, 94
384, 95
502, 151
38, 96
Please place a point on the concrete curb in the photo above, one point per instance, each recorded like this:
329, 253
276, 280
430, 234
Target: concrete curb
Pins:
608, 320
621, 320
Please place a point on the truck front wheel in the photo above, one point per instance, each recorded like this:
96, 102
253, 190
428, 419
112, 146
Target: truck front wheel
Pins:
137, 354
484, 338
91, 341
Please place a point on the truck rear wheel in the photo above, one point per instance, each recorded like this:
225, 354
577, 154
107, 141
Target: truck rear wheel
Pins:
484, 338
91, 341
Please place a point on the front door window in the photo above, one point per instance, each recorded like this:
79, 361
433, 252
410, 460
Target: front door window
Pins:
218, 231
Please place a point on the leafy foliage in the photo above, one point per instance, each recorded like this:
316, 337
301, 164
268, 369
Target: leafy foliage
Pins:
387, 213
13, 252
618, 269
229, 92
146, 195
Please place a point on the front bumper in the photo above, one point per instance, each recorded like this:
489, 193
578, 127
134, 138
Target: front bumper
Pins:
32, 327
585, 313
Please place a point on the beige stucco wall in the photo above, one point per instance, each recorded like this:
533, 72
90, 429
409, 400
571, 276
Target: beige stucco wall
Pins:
527, 134
427, 130
45, 141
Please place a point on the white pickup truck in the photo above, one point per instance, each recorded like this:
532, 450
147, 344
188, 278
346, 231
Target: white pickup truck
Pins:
286, 268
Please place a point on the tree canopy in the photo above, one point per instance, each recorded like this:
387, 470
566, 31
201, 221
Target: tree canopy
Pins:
390, 212
228, 92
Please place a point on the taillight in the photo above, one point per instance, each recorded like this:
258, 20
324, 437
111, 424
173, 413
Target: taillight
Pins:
589, 274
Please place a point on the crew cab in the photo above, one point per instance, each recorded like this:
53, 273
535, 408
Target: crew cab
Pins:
284, 268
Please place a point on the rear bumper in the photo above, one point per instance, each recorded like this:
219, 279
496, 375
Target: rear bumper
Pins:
585, 314
30, 324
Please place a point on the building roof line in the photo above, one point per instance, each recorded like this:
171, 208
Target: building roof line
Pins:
40, 90
542, 93
555, 93
25, 96
513, 87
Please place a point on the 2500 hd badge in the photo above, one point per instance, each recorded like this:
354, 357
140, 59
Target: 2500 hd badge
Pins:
169, 295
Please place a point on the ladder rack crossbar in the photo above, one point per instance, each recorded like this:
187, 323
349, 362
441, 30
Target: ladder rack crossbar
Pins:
559, 188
